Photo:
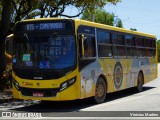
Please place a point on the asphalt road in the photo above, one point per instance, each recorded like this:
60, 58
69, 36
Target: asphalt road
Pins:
126, 103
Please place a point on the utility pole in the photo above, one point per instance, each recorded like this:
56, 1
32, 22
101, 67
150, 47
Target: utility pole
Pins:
93, 13
93, 17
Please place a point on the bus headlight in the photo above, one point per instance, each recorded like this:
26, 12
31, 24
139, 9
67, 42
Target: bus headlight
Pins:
16, 84
67, 83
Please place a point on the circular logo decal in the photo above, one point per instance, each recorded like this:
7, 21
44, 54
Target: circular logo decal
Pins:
118, 75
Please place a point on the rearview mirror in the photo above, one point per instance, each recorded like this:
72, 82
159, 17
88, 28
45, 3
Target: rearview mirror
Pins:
9, 46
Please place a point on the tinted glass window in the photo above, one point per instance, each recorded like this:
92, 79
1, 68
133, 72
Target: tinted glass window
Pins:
139, 41
141, 52
147, 43
48, 52
104, 43
89, 46
153, 43
131, 51
105, 50
103, 36
149, 52
117, 39
119, 50
129, 40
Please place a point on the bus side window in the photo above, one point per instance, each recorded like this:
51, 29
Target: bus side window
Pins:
89, 46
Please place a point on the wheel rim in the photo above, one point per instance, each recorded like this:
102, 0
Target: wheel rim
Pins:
99, 90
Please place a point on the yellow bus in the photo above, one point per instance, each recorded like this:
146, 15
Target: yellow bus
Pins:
59, 59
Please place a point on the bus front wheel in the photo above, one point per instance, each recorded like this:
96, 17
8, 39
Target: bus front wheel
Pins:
100, 92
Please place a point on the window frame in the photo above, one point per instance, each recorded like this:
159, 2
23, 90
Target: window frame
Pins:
131, 46
118, 45
94, 46
104, 44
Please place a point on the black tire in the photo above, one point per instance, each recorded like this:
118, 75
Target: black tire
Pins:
100, 92
140, 82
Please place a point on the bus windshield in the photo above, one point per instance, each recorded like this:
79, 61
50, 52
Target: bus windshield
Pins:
45, 52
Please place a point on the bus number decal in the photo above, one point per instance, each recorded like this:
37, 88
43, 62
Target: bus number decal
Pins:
118, 75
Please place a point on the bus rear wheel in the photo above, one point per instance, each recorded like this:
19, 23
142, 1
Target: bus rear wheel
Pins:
140, 82
100, 92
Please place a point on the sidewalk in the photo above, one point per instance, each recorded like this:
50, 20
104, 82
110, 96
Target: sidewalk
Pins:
6, 96
7, 100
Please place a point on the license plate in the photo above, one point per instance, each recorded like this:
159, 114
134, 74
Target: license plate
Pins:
37, 94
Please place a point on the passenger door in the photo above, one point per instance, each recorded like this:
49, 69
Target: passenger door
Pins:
88, 66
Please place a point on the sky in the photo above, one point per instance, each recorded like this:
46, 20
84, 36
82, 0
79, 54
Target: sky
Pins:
143, 15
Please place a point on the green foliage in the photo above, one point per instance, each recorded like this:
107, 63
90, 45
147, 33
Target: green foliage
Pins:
158, 49
27, 9
119, 23
12, 11
133, 29
92, 4
101, 16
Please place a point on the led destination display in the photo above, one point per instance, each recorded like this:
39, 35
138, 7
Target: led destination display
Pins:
44, 26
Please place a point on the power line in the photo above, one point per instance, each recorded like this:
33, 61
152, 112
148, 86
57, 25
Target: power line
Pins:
139, 9
151, 22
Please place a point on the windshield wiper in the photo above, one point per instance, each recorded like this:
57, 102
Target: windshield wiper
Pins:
26, 36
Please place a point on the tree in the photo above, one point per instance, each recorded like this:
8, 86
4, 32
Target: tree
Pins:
4, 28
28, 9
15, 10
101, 16
119, 23
54, 8
133, 29
158, 49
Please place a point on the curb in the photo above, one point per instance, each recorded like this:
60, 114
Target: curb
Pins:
6, 96
5, 100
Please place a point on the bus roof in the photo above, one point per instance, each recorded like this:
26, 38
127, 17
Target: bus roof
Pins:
117, 29
98, 25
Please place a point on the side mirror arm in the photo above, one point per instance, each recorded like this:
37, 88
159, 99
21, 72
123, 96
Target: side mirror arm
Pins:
82, 45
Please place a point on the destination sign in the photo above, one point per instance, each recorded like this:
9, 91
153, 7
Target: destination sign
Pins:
45, 26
